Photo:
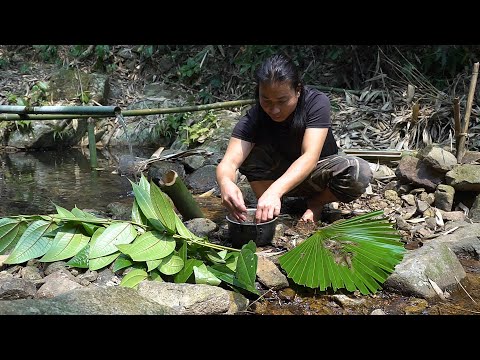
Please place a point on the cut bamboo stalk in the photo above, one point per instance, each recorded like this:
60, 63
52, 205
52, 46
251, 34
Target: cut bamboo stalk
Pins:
468, 110
456, 117
415, 112
175, 188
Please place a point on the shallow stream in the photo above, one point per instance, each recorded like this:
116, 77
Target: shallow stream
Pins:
32, 182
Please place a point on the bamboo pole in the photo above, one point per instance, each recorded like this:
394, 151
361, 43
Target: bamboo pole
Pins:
139, 112
92, 148
468, 110
175, 188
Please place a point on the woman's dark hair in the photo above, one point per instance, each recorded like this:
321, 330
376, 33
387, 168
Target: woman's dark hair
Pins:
279, 68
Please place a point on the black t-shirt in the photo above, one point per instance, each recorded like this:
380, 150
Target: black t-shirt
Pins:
257, 127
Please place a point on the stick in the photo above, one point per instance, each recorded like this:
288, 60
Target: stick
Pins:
464, 289
468, 110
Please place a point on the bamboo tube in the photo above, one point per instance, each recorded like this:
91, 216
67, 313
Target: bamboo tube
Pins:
175, 188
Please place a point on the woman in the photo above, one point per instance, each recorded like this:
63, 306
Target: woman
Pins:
284, 145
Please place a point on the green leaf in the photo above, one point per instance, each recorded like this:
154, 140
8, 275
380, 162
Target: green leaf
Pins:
67, 242
89, 228
142, 196
10, 232
162, 208
171, 264
183, 275
231, 261
114, 234
101, 262
133, 278
137, 215
356, 254
80, 260
246, 271
33, 243
152, 245
155, 276
204, 276
214, 257
228, 276
123, 261
63, 212
153, 264
183, 231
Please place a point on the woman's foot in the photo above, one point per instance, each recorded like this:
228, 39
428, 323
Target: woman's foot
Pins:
312, 214
315, 205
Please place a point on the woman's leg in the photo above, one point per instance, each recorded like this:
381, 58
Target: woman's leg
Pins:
335, 178
260, 186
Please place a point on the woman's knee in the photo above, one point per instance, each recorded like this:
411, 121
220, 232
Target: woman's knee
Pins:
352, 179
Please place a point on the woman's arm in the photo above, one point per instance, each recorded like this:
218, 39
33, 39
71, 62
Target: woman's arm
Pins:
270, 202
232, 198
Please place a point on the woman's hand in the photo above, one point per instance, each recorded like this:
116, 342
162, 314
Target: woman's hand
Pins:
268, 207
232, 199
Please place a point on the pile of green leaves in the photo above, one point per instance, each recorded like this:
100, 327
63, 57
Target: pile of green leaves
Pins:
155, 244
357, 254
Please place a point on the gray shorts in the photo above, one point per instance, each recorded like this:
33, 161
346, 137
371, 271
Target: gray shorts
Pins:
346, 176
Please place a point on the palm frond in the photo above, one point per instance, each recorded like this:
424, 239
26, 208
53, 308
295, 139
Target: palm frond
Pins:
356, 254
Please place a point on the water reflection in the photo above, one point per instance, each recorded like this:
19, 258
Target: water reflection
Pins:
30, 182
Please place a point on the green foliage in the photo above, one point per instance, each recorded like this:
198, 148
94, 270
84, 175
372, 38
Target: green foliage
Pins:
155, 245
48, 53
187, 71
356, 254
251, 56
4, 62
169, 125
201, 130
77, 50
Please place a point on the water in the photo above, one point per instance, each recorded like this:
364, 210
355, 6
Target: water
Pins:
121, 120
30, 182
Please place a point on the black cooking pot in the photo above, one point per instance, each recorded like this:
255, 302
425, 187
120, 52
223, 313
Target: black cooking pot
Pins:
242, 232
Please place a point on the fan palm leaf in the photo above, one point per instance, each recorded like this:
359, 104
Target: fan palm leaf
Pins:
356, 254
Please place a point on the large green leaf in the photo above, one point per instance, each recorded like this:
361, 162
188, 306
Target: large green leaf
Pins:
33, 242
245, 271
114, 234
123, 261
171, 264
80, 260
137, 215
142, 197
183, 275
10, 232
63, 212
151, 245
205, 276
89, 228
163, 208
68, 241
133, 278
355, 254
101, 262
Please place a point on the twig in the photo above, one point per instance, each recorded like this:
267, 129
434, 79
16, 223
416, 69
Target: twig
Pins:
265, 293
464, 290
451, 230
